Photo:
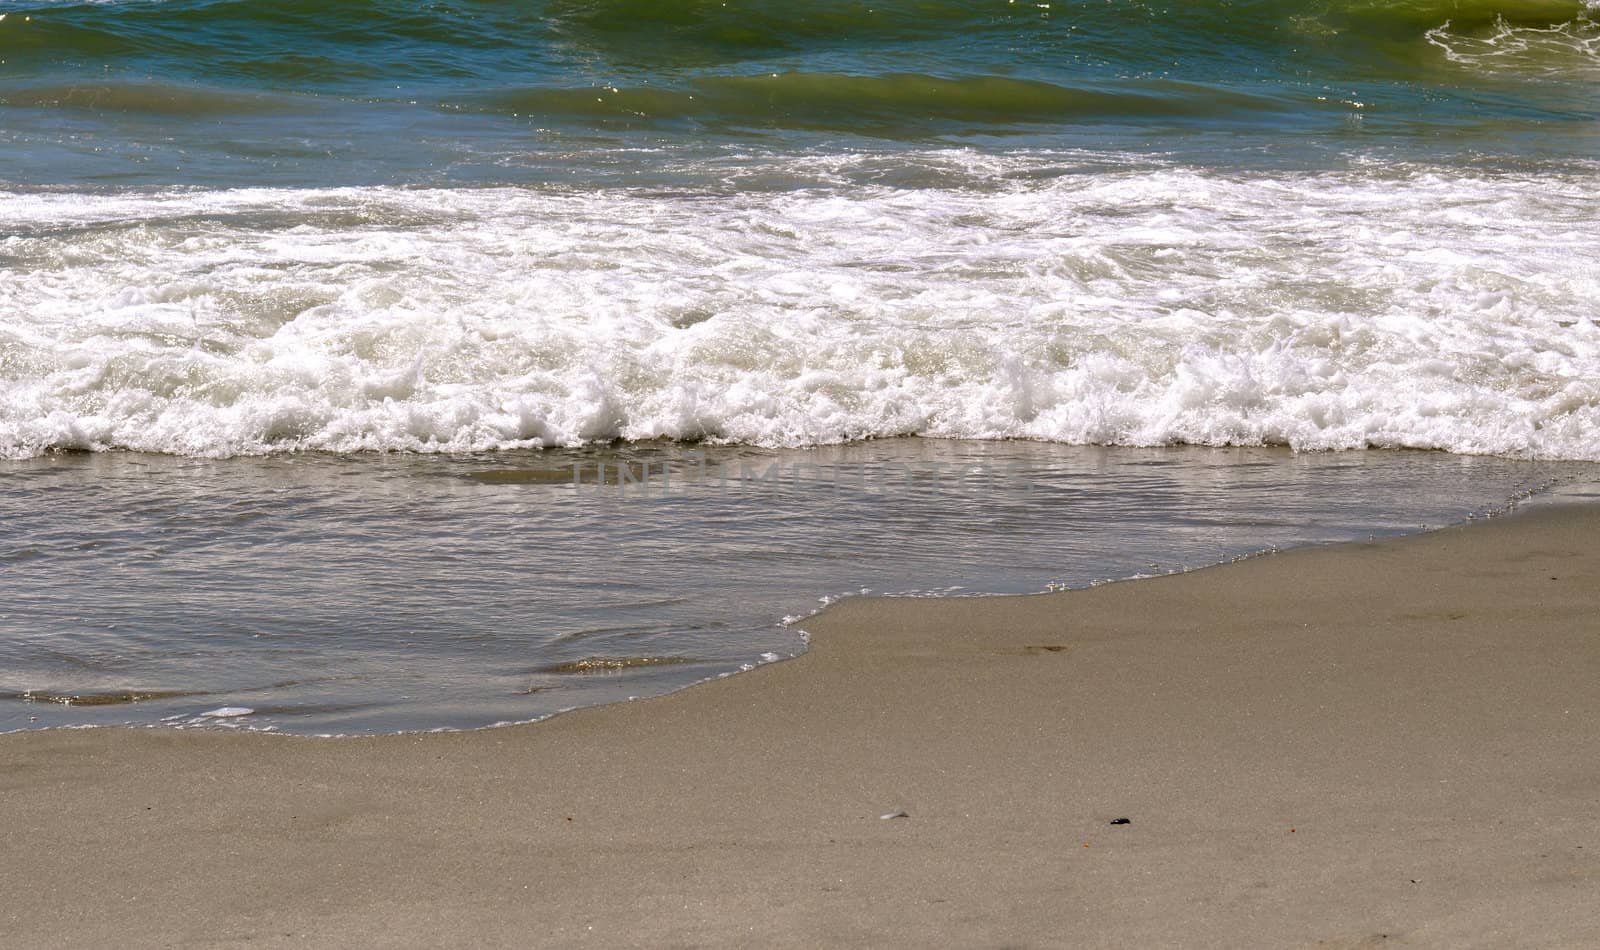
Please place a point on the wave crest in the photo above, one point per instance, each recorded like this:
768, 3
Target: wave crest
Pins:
1144, 306
880, 104
1570, 49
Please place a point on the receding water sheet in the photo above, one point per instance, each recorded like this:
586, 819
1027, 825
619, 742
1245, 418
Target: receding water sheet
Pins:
355, 594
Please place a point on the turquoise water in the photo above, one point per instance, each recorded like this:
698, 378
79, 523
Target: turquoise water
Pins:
227, 92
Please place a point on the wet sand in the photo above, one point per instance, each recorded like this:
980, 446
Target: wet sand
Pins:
1381, 744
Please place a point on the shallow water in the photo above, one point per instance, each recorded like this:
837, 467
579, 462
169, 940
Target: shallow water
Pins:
357, 594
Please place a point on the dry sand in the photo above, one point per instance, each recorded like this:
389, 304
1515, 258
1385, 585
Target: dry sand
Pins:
1368, 745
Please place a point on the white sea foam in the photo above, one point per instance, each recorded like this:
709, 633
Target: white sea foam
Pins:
1366, 307
1562, 50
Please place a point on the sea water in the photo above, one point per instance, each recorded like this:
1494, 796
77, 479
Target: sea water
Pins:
296, 274
336, 594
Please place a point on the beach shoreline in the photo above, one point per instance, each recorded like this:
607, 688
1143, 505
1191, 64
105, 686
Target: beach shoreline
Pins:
1352, 745
459, 593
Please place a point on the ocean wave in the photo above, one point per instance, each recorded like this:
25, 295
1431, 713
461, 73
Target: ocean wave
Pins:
649, 27
1413, 14
307, 44
883, 103
150, 98
1570, 49
1372, 307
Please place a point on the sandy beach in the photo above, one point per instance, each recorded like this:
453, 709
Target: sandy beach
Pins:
1389, 743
